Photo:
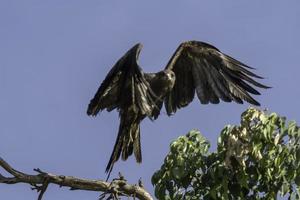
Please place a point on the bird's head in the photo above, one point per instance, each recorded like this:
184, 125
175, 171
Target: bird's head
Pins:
167, 79
166, 75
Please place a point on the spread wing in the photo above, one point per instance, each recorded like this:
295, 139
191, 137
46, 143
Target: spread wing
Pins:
200, 67
124, 87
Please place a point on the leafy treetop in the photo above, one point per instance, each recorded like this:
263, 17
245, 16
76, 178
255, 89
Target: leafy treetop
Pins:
259, 159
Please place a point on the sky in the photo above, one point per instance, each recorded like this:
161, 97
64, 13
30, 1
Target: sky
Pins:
54, 54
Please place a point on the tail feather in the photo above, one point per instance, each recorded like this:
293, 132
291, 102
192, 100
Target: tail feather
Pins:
137, 146
127, 142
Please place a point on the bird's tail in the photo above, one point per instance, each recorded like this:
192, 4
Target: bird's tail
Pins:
128, 142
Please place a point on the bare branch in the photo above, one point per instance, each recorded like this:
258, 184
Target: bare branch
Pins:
40, 182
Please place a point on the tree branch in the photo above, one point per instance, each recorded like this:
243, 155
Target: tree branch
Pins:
118, 187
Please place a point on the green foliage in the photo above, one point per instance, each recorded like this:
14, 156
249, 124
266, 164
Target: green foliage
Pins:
260, 159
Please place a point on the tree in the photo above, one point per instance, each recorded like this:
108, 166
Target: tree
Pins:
259, 159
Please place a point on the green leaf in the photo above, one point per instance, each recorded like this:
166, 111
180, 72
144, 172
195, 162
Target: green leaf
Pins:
155, 178
276, 139
160, 192
285, 188
178, 172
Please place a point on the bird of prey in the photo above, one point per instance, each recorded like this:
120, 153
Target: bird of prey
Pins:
195, 67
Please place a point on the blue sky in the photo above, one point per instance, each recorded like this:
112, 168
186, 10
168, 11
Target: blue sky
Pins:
54, 54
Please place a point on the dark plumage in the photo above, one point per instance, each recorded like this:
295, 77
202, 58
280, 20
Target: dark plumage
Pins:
195, 67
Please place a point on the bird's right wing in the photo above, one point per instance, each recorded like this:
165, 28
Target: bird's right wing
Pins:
124, 86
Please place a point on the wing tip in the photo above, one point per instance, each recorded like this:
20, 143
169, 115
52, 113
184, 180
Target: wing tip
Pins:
253, 102
137, 47
89, 113
92, 110
267, 87
256, 103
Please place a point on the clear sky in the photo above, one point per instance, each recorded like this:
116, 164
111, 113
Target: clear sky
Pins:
54, 54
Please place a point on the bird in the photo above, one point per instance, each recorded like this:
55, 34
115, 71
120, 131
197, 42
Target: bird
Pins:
196, 68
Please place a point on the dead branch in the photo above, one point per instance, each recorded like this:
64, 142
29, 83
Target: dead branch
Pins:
40, 181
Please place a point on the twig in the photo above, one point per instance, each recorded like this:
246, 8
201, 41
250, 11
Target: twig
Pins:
41, 181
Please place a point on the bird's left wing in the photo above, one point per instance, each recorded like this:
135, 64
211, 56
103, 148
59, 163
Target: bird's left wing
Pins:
200, 67
124, 87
